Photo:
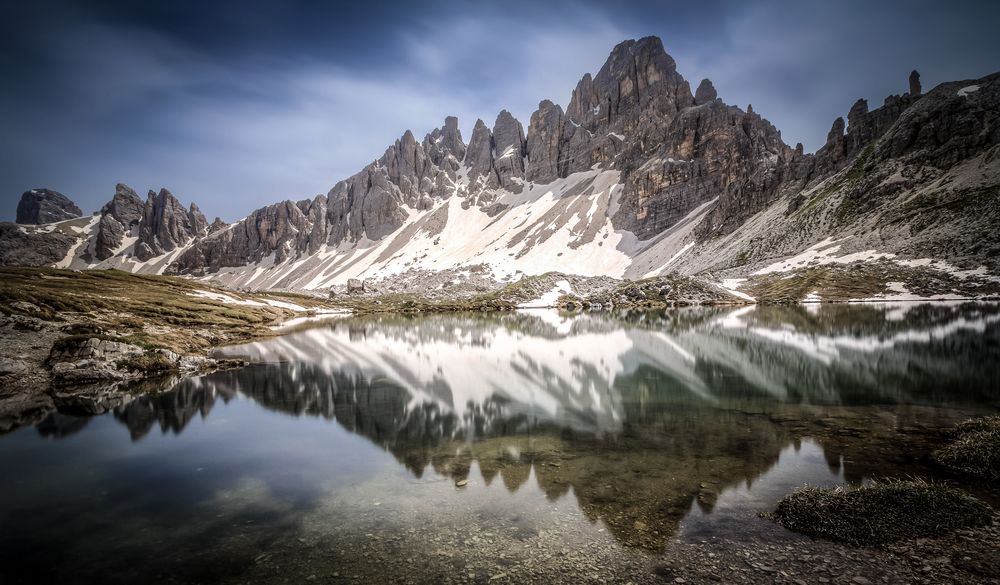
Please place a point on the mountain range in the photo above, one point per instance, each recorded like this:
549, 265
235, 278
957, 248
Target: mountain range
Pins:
638, 176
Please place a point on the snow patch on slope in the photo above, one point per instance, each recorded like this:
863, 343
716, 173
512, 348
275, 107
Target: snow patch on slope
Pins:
730, 285
550, 298
824, 253
545, 228
81, 245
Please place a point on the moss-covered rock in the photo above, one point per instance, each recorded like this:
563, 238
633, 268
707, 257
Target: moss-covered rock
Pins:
151, 361
975, 449
881, 512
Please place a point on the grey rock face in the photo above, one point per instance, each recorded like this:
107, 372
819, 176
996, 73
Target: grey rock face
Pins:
39, 206
943, 128
508, 152
119, 217
370, 204
479, 156
217, 226
444, 142
277, 230
544, 135
18, 248
705, 92
639, 75
96, 359
93, 348
125, 206
166, 225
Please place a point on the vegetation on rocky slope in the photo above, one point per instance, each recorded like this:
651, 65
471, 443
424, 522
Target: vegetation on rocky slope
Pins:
975, 449
881, 512
587, 292
156, 311
864, 280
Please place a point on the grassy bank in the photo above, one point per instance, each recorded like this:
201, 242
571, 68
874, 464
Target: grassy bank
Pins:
157, 311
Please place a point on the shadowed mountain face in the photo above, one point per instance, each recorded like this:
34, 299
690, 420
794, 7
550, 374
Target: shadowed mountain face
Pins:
640, 418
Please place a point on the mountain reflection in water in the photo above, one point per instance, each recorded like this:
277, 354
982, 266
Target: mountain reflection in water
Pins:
645, 420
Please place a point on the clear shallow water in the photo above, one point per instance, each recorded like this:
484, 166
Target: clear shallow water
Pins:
589, 442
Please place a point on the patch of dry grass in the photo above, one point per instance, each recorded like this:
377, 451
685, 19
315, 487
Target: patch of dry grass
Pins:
859, 280
156, 311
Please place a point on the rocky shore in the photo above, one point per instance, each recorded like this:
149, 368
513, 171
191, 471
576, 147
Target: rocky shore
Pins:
64, 333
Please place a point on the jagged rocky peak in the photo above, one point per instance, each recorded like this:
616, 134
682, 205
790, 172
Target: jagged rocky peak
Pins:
409, 168
836, 132
859, 109
39, 206
479, 154
280, 230
863, 128
199, 225
705, 92
125, 206
120, 217
638, 75
444, 145
167, 225
942, 127
544, 133
217, 225
509, 148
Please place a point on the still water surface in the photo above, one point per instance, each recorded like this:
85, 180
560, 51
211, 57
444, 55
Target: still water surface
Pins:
478, 447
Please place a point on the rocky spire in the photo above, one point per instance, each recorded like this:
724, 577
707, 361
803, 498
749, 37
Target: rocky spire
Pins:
479, 154
451, 138
836, 132
165, 225
859, 109
638, 76
444, 142
914, 83
199, 225
119, 217
508, 151
544, 133
705, 92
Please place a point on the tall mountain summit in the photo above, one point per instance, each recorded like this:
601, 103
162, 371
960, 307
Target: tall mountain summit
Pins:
637, 176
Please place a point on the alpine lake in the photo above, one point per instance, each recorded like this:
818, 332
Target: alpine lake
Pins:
493, 448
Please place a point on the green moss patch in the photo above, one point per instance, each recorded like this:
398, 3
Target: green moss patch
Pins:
975, 449
882, 512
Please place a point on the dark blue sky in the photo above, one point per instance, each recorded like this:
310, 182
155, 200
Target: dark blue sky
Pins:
238, 104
